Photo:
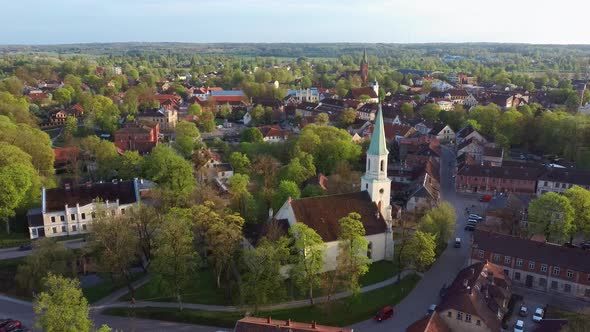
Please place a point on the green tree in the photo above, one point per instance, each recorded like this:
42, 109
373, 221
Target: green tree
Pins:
242, 199
552, 215
328, 145
207, 121
175, 259
347, 117
252, 135
313, 191
322, 119
309, 258
440, 222
169, 170
48, 256
263, 282
187, 134
14, 186
62, 307
224, 240
63, 96
101, 113
420, 251
13, 85
145, 222
285, 190
70, 128
408, 110
129, 165
579, 199
100, 152
195, 109
239, 162
299, 169
352, 258
430, 111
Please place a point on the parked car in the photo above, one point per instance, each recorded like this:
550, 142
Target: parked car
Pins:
519, 326
523, 312
25, 247
13, 325
485, 198
473, 221
5, 322
458, 242
585, 245
475, 216
538, 315
431, 309
570, 245
470, 228
384, 313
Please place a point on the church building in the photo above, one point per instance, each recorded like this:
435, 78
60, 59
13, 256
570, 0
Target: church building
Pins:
373, 203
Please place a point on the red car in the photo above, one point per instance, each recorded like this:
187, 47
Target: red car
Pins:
485, 198
12, 325
384, 313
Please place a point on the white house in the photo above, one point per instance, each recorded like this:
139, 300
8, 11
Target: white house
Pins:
322, 213
70, 210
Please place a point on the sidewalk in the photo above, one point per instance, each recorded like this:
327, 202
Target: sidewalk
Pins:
206, 307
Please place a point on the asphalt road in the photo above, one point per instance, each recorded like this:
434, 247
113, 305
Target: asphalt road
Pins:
444, 270
10, 253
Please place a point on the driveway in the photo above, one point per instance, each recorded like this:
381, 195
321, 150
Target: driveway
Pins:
444, 269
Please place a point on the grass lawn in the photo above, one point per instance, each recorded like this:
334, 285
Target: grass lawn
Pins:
97, 292
13, 239
378, 272
202, 290
339, 313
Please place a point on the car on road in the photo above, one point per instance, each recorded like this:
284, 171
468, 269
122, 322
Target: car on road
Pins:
431, 309
585, 245
384, 313
458, 242
470, 227
523, 312
473, 221
485, 198
519, 326
11, 325
25, 247
475, 216
538, 315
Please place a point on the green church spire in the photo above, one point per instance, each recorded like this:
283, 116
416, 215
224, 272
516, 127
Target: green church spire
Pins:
378, 144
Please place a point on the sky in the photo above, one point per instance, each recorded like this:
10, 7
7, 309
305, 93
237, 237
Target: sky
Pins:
310, 21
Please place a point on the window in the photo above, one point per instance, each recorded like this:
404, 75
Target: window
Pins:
543, 267
545, 184
556, 270
54, 230
367, 186
506, 259
567, 288
382, 165
506, 273
93, 214
368, 164
480, 253
516, 275
519, 262
73, 228
496, 258
531, 265
52, 219
84, 227
449, 314
63, 229
468, 318
370, 250
459, 315
34, 232
570, 273
123, 210
478, 322
554, 284
62, 218
542, 282
83, 216
73, 216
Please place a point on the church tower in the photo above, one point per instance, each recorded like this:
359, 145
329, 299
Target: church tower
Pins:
375, 180
364, 70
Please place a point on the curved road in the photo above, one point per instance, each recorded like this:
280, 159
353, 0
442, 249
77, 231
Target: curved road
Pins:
444, 270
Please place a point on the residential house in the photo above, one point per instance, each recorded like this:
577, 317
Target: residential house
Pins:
168, 101
167, 118
255, 324
473, 148
489, 179
468, 132
492, 156
274, 134
65, 158
310, 95
424, 127
537, 265
371, 93
425, 193
445, 104
430, 323
224, 171
443, 133
140, 136
367, 112
458, 96
70, 210
558, 180
306, 109
477, 300
470, 101
322, 213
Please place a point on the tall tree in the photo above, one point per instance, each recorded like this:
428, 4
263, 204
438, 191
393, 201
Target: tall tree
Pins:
224, 238
430, 111
70, 128
352, 258
285, 190
309, 258
239, 162
579, 199
440, 222
187, 135
146, 222
242, 199
175, 258
48, 256
128, 165
322, 119
420, 251
62, 307
552, 215
252, 135
347, 117
169, 170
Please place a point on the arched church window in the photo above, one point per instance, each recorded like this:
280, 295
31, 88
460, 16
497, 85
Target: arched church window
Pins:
368, 164
382, 165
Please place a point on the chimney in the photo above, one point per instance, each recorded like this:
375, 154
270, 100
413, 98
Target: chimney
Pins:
268, 320
313, 325
67, 187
